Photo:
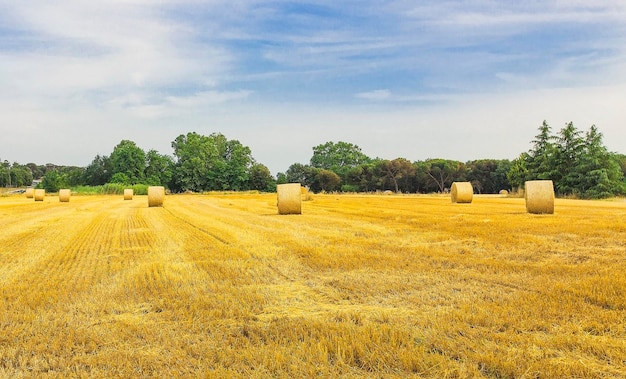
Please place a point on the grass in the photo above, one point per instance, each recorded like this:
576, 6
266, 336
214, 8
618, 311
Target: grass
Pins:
220, 285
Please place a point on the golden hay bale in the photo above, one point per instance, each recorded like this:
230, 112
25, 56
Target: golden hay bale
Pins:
156, 196
64, 195
539, 196
504, 192
30, 192
39, 194
128, 194
289, 198
305, 194
462, 192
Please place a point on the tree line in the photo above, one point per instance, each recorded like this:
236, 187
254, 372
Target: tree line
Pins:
578, 163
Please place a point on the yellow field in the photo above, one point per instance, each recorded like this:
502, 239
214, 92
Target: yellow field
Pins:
356, 286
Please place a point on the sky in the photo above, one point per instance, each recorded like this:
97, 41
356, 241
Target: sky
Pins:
458, 80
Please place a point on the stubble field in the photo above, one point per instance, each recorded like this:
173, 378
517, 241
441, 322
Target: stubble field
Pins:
357, 286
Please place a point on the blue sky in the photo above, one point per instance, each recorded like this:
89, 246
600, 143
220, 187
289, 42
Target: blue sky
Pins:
415, 79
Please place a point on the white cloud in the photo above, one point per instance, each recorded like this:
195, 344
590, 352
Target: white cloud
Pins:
375, 95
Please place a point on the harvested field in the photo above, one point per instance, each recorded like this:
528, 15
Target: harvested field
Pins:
355, 286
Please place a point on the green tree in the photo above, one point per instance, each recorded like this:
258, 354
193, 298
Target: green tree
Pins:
53, 181
98, 172
442, 172
541, 159
129, 159
338, 157
261, 179
518, 173
326, 180
21, 175
568, 154
210, 163
598, 171
5, 174
397, 172
303, 174
159, 169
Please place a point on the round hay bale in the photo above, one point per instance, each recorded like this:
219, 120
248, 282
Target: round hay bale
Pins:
30, 192
305, 194
289, 198
156, 196
539, 196
64, 195
128, 194
503, 192
39, 194
462, 192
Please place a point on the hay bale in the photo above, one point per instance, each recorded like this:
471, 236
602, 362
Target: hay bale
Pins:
64, 195
289, 198
30, 192
305, 194
539, 196
462, 192
39, 194
504, 192
156, 196
128, 194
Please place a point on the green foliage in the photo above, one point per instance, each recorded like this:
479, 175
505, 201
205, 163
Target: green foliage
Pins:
338, 157
578, 163
208, 163
118, 189
303, 174
441, 173
326, 180
261, 179
159, 169
120, 178
396, 173
488, 175
98, 171
52, 182
128, 159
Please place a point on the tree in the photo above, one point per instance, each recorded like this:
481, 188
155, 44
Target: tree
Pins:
52, 182
98, 172
568, 153
518, 173
326, 180
338, 157
129, 159
442, 172
394, 171
488, 175
205, 163
599, 173
541, 158
20, 175
260, 178
159, 169
303, 174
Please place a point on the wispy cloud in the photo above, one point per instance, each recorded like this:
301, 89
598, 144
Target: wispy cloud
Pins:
129, 65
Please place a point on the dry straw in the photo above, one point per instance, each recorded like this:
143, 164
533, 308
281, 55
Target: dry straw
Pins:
289, 198
305, 194
128, 194
462, 192
64, 195
156, 196
539, 195
39, 194
30, 192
